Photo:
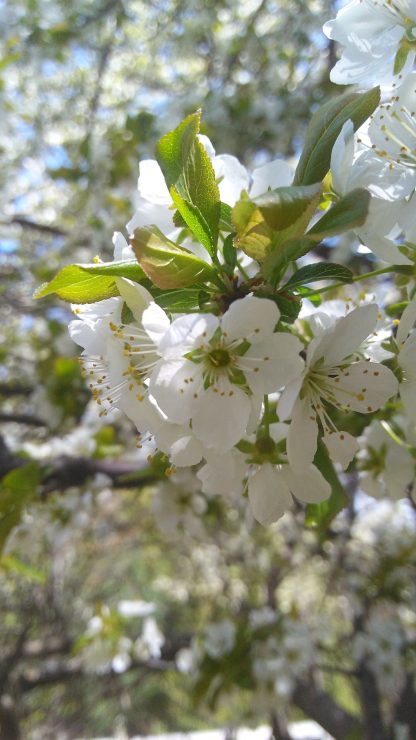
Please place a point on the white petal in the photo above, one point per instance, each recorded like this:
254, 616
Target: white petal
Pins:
271, 364
135, 295
308, 486
174, 384
365, 386
223, 474
122, 250
186, 451
233, 178
341, 447
399, 472
155, 322
302, 436
250, 318
288, 398
406, 322
349, 332
268, 494
186, 332
221, 418
269, 176
341, 158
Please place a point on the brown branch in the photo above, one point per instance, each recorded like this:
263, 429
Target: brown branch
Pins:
15, 389
319, 706
27, 223
32, 421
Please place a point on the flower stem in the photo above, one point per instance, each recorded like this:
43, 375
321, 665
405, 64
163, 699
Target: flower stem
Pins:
266, 419
358, 278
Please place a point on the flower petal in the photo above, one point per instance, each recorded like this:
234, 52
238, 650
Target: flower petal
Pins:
174, 384
221, 417
309, 486
347, 334
250, 318
270, 364
302, 436
364, 386
269, 176
341, 447
268, 494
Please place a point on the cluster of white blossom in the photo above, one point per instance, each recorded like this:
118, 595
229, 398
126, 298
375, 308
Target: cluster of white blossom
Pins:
233, 388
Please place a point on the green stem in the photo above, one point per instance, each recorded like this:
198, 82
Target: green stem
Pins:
266, 420
358, 278
245, 274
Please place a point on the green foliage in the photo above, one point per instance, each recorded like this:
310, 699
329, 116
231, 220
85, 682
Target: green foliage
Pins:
90, 283
319, 271
167, 264
265, 224
17, 489
347, 213
324, 128
321, 515
191, 180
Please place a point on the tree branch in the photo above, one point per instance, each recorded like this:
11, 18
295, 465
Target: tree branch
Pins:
319, 706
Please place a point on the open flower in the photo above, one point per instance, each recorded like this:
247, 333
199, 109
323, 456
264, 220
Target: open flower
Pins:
214, 370
406, 358
372, 32
334, 375
270, 481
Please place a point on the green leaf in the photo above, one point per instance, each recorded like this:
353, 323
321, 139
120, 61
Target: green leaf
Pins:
320, 271
401, 57
14, 565
167, 264
284, 206
76, 285
186, 300
17, 489
321, 515
289, 306
190, 178
194, 219
277, 261
324, 128
230, 252
347, 213
90, 282
265, 224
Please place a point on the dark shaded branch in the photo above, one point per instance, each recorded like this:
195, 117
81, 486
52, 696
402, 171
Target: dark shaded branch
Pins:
75, 471
371, 706
27, 223
319, 706
406, 708
32, 421
9, 723
15, 389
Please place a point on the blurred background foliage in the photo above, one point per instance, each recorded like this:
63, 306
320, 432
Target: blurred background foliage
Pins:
86, 88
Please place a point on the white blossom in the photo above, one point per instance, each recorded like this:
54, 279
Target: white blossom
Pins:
372, 32
334, 375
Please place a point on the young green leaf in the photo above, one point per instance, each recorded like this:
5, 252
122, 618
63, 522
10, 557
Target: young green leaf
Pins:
76, 285
319, 271
277, 261
348, 213
191, 180
167, 264
229, 251
194, 219
324, 128
17, 489
90, 282
284, 206
321, 515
